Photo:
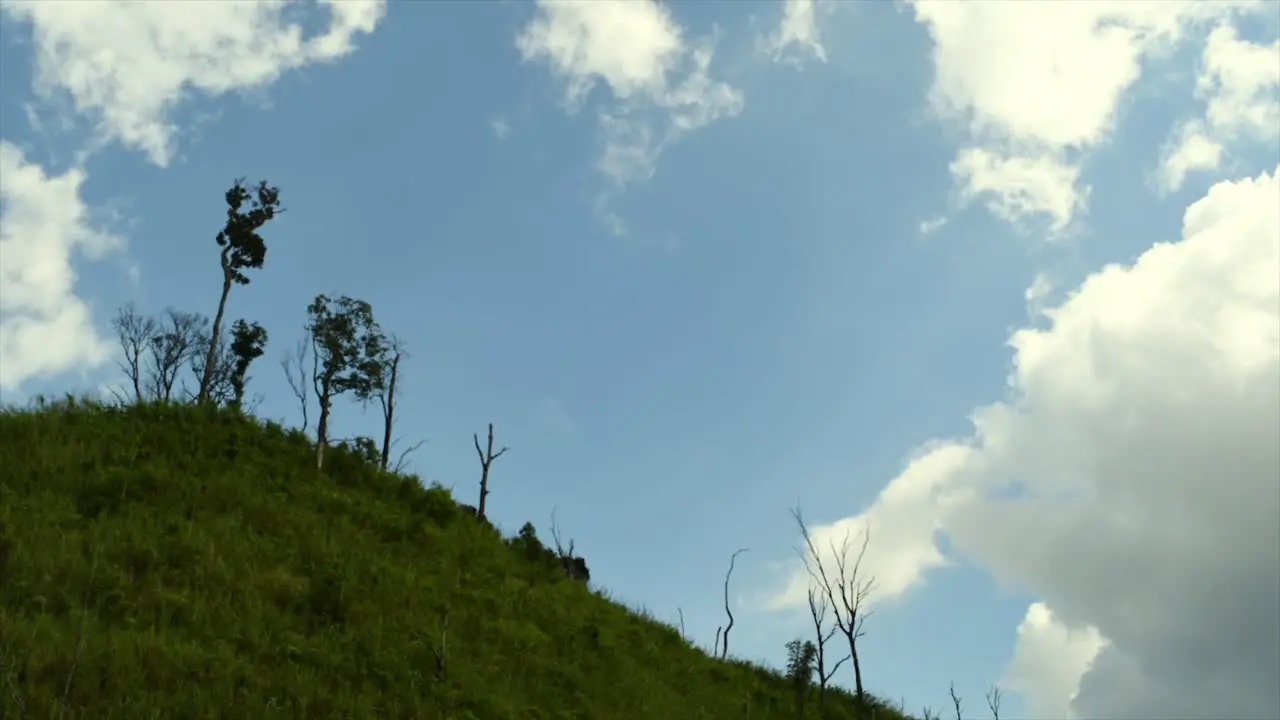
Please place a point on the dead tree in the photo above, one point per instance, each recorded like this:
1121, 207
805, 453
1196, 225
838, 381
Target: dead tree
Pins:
994, 696
818, 611
135, 331
293, 365
844, 589
575, 567
955, 700
722, 639
388, 397
175, 342
487, 456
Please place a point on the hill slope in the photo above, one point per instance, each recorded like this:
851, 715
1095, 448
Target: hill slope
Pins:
183, 562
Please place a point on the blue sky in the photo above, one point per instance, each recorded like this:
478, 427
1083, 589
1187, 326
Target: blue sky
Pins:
745, 314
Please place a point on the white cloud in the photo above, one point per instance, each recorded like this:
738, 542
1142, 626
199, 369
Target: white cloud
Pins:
660, 83
1020, 187
44, 327
1240, 84
1036, 293
1048, 661
797, 33
933, 225
1131, 479
1036, 83
500, 127
126, 65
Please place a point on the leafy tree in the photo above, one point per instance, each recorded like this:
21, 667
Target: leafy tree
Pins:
242, 248
248, 341
800, 666
349, 352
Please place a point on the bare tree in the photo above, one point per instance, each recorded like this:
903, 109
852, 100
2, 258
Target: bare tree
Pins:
175, 341
994, 696
575, 567
823, 634
487, 456
388, 397
243, 248
722, 639
293, 365
955, 700
846, 591
135, 331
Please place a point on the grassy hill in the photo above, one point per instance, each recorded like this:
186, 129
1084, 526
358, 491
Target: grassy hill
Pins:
174, 561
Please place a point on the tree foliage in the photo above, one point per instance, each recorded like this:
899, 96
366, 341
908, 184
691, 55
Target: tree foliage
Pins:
242, 248
349, 351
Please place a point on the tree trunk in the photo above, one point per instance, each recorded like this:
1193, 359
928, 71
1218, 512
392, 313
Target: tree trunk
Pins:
389, 411
857, 673
216, 332
322, 427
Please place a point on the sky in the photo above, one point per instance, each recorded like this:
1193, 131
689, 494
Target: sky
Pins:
998, 281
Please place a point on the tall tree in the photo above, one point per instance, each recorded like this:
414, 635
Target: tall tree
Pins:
846, 589
349, 355
387, 397
135, 331
242, 248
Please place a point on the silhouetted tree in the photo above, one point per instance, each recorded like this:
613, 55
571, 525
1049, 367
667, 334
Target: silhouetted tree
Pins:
844, 589
174, 343
823, 634
135, 332
575, 567
800, 659
388, 396
294, 371
248, 342
487, 456
722, 640
242, 248
349, 356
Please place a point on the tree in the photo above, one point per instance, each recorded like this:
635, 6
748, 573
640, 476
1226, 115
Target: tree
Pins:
175, 341
387, 395
845, 590
242, 248
135, 332
722, 641
823, 635
487, 457
800, 659
348, 356
248, 342
293, 366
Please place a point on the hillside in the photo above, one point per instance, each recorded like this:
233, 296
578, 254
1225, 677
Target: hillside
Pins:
177, 561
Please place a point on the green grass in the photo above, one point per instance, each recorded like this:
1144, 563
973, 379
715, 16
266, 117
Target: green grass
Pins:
174, 561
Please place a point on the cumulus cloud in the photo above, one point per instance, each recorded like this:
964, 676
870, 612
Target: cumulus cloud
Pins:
1131, 479
797, 34
1035, 84
44, 327
659, 80
127, 65
1239, 83
1048, 661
